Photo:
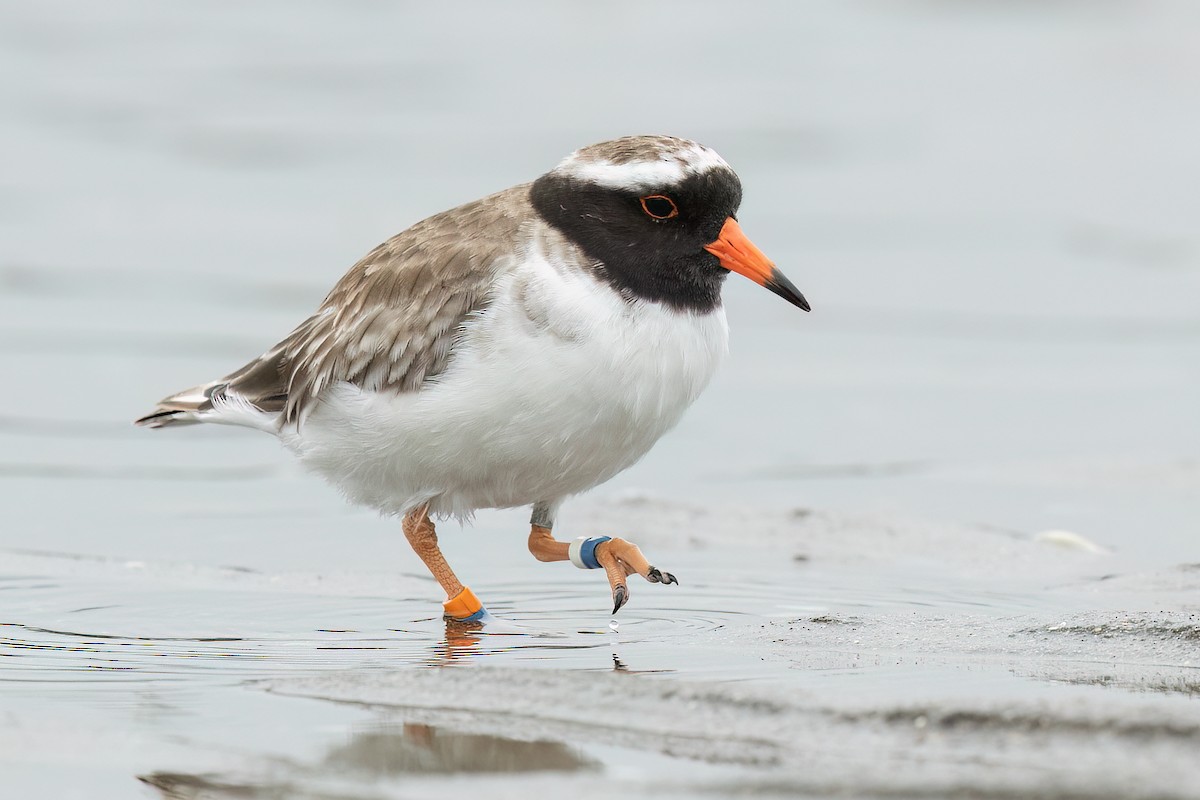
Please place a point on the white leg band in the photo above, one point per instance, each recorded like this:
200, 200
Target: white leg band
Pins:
573, 551
582, 551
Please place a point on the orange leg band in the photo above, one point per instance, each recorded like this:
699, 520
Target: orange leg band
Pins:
463, 606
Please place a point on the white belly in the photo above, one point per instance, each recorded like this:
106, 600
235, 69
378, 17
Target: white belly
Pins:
555, 388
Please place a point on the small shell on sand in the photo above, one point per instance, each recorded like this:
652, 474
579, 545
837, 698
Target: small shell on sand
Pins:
1069, 541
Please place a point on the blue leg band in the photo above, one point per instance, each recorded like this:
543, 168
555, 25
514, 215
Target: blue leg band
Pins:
583, 551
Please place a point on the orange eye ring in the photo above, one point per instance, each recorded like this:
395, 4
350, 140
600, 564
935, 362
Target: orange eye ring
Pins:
659, 207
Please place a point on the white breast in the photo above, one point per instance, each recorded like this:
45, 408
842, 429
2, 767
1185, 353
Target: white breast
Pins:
557, 386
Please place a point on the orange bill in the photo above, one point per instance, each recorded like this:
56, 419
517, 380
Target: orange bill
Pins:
738, 254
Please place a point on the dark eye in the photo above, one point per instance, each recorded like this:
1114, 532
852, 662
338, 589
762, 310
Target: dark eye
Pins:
659, 206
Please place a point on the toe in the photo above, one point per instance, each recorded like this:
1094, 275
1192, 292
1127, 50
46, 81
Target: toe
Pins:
616, 572
620, 598
656, 575
621, 559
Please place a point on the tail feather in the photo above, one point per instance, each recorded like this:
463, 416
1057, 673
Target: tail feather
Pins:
163, 418
251, 397
183, 408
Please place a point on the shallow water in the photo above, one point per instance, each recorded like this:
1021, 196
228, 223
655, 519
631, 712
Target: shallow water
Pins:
890, 669
991, 208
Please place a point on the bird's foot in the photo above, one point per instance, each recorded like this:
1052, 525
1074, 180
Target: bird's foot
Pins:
620, 559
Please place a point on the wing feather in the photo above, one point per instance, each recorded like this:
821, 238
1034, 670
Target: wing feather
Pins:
391, 321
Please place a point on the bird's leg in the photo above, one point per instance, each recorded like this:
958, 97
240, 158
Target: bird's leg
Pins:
542, 543
461, 603
422, 536
617, 557
545, 547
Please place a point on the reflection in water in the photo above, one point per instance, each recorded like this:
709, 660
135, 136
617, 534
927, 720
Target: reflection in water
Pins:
180, 786
472, 640
410, 749
424, 748
461, 642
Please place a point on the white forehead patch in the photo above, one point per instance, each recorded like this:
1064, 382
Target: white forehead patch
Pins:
667, 169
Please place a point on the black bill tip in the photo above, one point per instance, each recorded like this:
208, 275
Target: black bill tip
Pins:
780, 285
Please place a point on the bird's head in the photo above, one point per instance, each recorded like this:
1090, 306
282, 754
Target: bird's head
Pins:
660, 215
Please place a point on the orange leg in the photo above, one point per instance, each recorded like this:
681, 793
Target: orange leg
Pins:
617, 557
545, 547
461, 602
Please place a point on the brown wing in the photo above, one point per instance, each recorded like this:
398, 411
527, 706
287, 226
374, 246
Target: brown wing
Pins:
390, 322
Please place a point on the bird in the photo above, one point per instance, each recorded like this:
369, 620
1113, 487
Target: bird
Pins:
514, 351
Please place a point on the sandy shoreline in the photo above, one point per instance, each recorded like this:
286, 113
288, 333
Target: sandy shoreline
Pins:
901, 660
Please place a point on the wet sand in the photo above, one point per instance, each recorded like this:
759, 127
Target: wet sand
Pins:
936, 539
890, 660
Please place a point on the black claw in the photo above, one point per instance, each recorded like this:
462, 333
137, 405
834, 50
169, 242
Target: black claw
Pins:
620, 597
669, 578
